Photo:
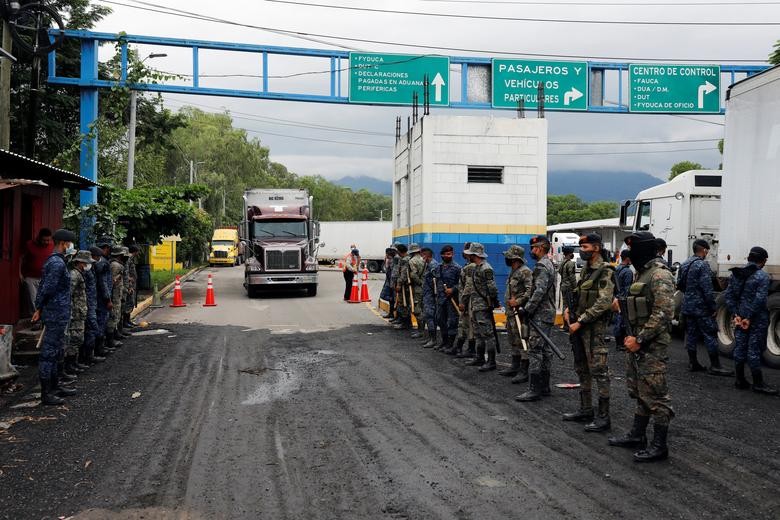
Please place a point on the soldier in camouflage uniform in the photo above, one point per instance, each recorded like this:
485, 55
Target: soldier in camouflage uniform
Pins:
402, 296
650, 310
132, 286
79, 309
447, 276
479, 298
568, 273
429, 296
464, 324
93, 330
746, 298
394, 271
118, 254
593, 296
126, 295
541, 309
414, 279
518, 291
695, 281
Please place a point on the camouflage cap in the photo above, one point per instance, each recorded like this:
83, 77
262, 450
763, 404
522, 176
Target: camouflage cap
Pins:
476, 249
539, 240
118, 251
83, 256
515, 252
414, 248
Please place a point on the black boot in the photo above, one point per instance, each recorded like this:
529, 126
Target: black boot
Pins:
657, 449
480, 359
63, 375
585, 413
462, 353
758, 383
59, 390
432, 340
693, 362
522, 374
418, 332
546, 390
106, 345
454, 347
117, 337
513, 369
741, 382
121, 330
534, 392
715, 368
491, 362
636, 438
47, 395
602, 422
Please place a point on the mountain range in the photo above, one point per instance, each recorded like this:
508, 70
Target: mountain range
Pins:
588, 185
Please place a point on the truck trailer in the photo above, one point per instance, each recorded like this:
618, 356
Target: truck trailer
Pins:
282, 240
371, 238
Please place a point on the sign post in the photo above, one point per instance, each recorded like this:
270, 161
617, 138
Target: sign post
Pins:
392, 79
565, 84
691, 89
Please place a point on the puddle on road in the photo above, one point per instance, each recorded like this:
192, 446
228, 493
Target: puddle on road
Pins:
153, 332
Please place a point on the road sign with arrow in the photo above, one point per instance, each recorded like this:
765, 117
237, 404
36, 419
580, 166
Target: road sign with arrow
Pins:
663, 88
393, 78
565, 84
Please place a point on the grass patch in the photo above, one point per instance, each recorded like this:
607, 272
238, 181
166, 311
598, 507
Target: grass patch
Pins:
163, 278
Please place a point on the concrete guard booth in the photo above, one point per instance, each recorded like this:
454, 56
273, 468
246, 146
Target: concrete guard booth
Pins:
471, 179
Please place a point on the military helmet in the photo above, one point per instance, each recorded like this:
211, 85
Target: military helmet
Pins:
515, 252
83, 256
414, 247
476, 249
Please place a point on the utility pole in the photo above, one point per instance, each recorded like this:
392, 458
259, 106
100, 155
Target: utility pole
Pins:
5, 90
131, 140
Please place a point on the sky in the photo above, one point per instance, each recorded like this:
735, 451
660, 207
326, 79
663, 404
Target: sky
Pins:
365, 148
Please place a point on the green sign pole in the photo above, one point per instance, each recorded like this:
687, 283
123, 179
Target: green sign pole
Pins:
693, 89
392, 79
565, 84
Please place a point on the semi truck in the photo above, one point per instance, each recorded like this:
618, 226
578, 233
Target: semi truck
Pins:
733, 209
282, 239
371, 238
225, 247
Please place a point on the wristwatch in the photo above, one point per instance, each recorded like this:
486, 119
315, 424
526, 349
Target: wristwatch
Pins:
639, 340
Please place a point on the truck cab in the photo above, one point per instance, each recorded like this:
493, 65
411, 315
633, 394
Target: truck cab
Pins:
225, 248
282, 241
680, 211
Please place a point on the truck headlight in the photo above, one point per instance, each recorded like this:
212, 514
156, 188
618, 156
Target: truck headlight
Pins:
310, 264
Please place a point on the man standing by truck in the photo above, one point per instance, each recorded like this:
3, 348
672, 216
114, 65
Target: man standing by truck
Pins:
650, 307
699, 308
746, 298
351, 267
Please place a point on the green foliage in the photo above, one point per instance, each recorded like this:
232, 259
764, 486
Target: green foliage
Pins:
570, 208
774, 57
682, 167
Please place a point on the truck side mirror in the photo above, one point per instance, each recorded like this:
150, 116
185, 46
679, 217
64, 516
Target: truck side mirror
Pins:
624, 213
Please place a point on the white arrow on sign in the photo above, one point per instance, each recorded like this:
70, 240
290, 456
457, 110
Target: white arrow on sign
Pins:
438, 83
707, 88
572, 95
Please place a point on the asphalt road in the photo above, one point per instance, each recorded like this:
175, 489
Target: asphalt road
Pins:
291, 407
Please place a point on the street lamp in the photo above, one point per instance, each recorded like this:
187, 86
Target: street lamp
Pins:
131, 136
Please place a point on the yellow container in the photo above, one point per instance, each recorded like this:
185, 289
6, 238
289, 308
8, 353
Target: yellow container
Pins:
161, 256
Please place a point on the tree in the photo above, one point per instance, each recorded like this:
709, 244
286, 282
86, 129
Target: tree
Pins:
774, 57
683, 166
570, 208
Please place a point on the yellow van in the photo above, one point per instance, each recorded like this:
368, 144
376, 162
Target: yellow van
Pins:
225, 247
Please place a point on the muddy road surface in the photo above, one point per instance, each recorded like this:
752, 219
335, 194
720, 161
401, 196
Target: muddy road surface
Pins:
288, 407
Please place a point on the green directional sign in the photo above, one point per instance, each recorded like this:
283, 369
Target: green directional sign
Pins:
675, 88
565, 84
393, 78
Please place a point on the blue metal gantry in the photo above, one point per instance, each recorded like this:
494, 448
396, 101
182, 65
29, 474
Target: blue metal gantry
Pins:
89, 82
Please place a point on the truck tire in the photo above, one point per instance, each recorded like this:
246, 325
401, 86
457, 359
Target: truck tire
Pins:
725, 329
374, 266
252, 292
311, 290
772, 353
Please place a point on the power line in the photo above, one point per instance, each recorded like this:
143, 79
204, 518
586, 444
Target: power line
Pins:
600, 4
196, 16
670, 141
633, 152
522, 19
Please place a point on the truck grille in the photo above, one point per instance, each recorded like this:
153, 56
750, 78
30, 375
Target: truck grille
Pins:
283, 260
220, 254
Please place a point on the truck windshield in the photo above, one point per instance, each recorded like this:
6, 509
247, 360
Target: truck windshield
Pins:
643, 216
279, 228
227, 243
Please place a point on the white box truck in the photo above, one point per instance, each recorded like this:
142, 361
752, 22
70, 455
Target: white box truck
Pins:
750, 213
370, 237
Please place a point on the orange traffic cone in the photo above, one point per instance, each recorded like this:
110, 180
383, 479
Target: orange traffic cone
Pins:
177, 299
364, 287
210, 294
354, 297
341, 265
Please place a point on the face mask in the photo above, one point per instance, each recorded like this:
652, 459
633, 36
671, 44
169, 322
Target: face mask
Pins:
88, 267
534, 255
447, 260
69, 249
508, 262
586, 255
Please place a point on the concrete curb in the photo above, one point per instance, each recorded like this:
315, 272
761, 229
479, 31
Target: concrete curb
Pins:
144, 305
